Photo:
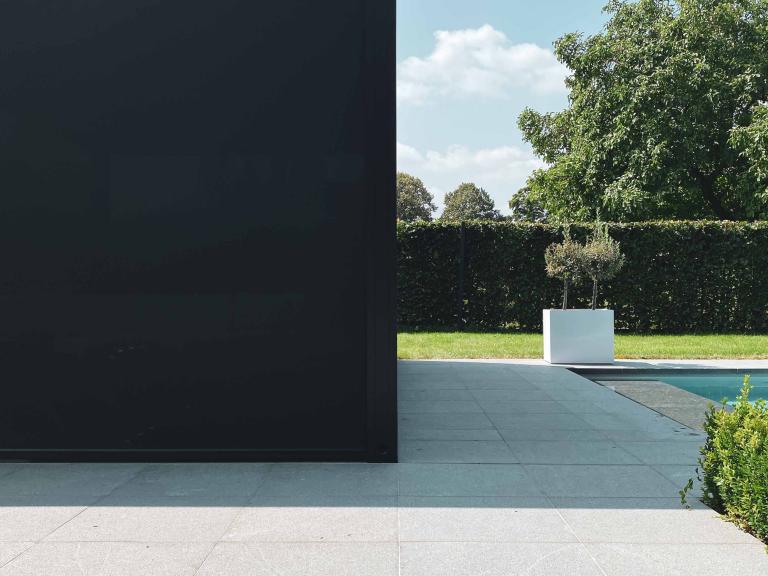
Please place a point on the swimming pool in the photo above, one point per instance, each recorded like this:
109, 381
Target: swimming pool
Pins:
712, 384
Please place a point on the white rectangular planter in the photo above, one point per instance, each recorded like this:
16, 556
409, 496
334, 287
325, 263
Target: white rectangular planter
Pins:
578, 336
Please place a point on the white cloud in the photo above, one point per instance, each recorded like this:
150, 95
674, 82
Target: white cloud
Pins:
501, 171
478, 62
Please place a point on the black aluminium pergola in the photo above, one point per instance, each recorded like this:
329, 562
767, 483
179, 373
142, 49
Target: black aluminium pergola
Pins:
197, 230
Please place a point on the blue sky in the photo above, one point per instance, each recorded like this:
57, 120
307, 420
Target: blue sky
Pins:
466, 69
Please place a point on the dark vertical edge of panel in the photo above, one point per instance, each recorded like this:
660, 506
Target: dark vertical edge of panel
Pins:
381, 367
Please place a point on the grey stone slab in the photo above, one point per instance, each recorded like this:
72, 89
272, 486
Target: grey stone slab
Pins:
429, 384
166, 519
29, 521
466, 451
517, 434
195, 480
316, 519
571, 452
301, 559
664, 452
465, 480
450, 421
10, 550
679, 476
107, 558
681, 559
523, 393
411, 432
316, 479
638, 520
652, 434
601, 481
521, 519
438, 407
495, 559
541, 421
435, 395
522, 407
65, 484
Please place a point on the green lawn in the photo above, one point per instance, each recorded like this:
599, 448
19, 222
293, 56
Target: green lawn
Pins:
423, 345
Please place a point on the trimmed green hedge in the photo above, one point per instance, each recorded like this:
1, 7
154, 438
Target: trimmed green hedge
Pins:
679, 277
734, 463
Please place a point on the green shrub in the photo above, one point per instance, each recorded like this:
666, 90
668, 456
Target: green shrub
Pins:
734, 463
679, 277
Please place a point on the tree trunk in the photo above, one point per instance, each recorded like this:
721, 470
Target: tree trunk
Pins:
594, 295
565, 294
707, 185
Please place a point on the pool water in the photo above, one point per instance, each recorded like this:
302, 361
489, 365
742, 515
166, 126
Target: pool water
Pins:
716, 386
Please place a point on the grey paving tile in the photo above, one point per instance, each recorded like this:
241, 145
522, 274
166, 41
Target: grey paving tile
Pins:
450, 421
178, 519
316, 519
521, 407
540, 421
601, 481
516, 434
664, 452
429, 384
408, 431
65, 484
10, 550
522, 393
638, 520
205, 479
520, 519
315, 479
107, 558
656, 434
438, 407
435, 395
570, 452
465, 480
28, 521
301, 559
681, 559
466, 451
679, 476
492, 559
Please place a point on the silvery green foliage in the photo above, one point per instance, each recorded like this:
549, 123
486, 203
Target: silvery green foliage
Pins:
602, 259
565, 261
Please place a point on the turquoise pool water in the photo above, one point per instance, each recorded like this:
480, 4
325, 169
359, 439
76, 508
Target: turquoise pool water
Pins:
717, 386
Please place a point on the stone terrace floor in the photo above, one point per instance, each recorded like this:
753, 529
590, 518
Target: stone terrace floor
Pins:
506, 469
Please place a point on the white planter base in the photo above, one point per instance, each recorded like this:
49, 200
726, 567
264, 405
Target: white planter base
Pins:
578, 336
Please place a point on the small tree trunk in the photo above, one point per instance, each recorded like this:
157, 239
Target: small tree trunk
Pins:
594, 295
565, 294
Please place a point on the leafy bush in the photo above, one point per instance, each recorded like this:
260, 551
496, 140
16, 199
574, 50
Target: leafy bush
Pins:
566, 261
602, 259
679, 277
734, 463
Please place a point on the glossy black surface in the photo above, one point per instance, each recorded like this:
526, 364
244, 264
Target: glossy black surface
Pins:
196, 229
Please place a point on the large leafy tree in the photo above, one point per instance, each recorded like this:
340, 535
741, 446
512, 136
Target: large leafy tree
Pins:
665, 116
414, 202
468, 202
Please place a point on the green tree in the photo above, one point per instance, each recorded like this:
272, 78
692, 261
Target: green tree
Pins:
414, 202
662, 104
468, 202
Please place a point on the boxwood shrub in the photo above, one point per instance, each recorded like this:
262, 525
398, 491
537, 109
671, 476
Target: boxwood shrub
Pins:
691, 277
734, 463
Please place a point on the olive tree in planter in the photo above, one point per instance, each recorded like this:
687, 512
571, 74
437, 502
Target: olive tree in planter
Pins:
573, 336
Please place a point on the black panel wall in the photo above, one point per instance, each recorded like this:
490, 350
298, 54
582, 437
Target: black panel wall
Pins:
197, 229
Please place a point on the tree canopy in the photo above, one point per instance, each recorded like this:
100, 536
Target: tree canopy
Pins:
414, 202
468, 202
666, 116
